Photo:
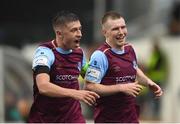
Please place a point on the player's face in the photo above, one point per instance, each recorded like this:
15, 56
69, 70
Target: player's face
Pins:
115, 32
71, 35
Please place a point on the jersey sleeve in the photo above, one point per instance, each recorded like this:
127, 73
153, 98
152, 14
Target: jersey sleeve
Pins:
97, 68
43, 57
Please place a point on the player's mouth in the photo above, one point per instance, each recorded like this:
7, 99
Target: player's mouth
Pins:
77, 41
118, 37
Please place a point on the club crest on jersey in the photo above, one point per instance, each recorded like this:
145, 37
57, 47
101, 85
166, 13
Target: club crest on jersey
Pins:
116, 68
135, 64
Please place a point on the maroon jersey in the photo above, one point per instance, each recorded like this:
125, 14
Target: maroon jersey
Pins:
64, 72
118, 107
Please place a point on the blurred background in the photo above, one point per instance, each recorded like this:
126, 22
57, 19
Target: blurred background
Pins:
154, 31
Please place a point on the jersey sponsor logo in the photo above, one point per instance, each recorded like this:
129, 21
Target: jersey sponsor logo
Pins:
125, 78
42, 60
66, 77
93, 73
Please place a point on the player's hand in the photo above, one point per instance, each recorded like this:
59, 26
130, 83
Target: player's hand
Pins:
88, 97
156, 89
132, 89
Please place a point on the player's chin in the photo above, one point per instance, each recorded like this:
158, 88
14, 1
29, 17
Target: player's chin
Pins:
121, 43
76, 46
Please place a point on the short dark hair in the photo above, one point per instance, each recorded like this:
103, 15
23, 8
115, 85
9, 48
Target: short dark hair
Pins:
64, 17
110, 15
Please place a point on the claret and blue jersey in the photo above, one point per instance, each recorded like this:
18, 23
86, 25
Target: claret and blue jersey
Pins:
65, 67
110, 67
122, 62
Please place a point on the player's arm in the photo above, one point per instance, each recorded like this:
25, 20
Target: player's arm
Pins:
105, 90
144, 80
49, 89
97, 68
41, 66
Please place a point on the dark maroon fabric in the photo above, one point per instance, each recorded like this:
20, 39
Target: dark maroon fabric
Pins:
120, 108
64, 72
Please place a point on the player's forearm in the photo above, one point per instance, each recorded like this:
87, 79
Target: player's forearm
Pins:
142, 78
102, 90
53, 90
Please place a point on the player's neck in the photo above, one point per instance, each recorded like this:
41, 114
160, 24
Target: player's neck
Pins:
60, 44
115, 46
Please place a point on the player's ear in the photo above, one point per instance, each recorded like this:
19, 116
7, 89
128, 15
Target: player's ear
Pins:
59, 33
103, 31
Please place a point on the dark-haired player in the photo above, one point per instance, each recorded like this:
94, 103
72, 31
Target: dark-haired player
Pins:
56, 67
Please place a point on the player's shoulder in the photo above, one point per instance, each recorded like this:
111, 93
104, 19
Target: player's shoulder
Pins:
98, 52
51, 44
98, 55
42, 50
104, 48
129, 48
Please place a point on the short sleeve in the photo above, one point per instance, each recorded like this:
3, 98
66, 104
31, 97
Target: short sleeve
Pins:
43, 56
98, 66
